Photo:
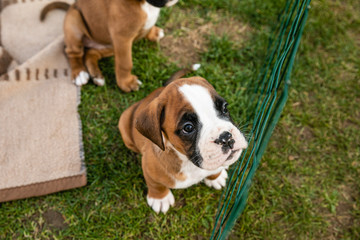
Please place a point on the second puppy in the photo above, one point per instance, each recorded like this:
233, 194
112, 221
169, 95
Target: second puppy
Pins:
185, 135
106, 28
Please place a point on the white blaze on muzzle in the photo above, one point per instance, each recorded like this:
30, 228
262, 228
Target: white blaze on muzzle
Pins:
211, 149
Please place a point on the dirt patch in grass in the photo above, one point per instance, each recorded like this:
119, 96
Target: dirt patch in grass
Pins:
350, 124
187, 34
46, 223
306, 133
55, 220
295, 180
342, 220
347, 199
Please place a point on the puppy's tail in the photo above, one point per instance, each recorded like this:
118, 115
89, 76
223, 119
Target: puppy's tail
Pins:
54, 5
182, 72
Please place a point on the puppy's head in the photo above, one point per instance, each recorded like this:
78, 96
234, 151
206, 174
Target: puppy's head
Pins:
189, 117
162, 3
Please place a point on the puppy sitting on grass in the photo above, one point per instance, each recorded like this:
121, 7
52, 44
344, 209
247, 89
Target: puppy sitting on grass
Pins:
106, 28
185, 135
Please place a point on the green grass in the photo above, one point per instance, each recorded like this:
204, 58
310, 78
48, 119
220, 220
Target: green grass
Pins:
307, 186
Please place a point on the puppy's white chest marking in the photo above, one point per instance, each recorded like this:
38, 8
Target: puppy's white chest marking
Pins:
192, 173
152, 15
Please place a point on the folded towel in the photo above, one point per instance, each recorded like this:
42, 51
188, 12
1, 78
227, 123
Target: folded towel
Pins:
40, 130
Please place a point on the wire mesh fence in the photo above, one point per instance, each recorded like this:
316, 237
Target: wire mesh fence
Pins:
270, 95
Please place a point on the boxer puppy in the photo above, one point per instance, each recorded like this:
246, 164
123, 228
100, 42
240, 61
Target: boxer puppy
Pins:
106, 28
185, 135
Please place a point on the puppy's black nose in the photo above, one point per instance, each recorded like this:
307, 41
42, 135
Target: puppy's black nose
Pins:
225, 139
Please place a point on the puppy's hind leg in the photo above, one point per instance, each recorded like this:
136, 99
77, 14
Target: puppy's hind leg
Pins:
74, 31
92, 56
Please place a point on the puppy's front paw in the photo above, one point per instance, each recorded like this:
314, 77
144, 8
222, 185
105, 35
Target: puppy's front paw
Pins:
162, 204
81, 79
218, 182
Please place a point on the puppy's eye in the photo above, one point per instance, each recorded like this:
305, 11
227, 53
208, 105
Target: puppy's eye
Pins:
188, 128
224, 108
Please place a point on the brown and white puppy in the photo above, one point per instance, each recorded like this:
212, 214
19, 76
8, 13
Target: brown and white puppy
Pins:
185, 135
105, 28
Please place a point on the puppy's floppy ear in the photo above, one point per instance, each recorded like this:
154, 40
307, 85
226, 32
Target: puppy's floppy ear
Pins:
149, 121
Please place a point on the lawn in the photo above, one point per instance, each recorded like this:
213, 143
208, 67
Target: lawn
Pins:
307, 185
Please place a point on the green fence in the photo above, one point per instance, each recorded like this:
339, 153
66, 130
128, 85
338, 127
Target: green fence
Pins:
271, 93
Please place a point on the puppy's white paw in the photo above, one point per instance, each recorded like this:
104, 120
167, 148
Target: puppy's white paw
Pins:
82, 79
139, 82
161, 34
162, 204
99, 81
219, 182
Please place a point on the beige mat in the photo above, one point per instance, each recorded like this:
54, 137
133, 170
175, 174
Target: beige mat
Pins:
40, 130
